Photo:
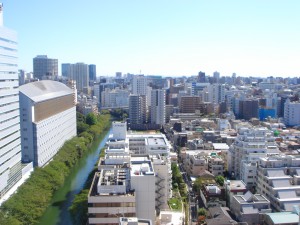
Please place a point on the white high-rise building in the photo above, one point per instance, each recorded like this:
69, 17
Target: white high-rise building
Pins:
139, 85
216, 93
78, 72
158, 106
10, 141
217, 76
291, 113
137, 109
244, 153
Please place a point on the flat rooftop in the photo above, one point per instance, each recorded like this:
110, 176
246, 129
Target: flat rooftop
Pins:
283, 217
236, 185
94, 188
134, 221
141, 166
156, 141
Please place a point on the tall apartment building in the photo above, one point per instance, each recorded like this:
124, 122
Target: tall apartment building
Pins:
201, 77
137, 109
10, 140
248, 109
115, 98
158, 106
291, 113
278, 178
48, 119
44, 67
216, 93
66, 69
92, 72
216, 76
139, 85
78, 72
244, 153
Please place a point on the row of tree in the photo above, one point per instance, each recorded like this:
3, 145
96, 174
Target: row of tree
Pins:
34, 196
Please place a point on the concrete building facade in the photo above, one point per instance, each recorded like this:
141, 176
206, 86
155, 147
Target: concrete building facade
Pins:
137, 109
10, 140
158, 107
44, 67
291, 113
48, 119
278, 178
249, 146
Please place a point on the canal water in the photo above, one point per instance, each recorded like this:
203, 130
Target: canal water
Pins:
57, 213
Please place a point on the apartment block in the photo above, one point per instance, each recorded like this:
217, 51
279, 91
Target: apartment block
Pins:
115, 98
44, 67
249, 146
278, 178
158, 107
291, 113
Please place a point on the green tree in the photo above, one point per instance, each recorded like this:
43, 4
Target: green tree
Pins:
220, 180
80, 117
201, 212
82, 127
91, 119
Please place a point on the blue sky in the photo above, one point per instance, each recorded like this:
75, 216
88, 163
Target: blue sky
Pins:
250, 38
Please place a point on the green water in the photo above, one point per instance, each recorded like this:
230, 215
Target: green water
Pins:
57, 212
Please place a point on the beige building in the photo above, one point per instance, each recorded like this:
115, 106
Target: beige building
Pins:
200, 161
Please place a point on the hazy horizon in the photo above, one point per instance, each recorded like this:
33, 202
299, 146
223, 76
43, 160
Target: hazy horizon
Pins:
256, 38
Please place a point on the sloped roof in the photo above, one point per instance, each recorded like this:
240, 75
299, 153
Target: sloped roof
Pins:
43, 90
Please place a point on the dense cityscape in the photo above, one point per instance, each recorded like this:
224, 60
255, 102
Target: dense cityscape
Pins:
145, 149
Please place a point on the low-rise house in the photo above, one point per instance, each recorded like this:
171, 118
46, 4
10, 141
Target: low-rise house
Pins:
212, 195
249, 207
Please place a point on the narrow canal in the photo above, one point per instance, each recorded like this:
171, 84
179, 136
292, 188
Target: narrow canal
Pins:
57, 213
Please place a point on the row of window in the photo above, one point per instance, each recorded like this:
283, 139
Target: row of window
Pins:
7, 40
109, 215
9, 49
113, 204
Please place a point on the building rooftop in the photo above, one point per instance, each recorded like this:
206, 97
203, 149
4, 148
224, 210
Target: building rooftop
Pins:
220, 146
141, 166
250, 198
156, 141
113, 181
220, 216
134, 221
43, 90
171, 218
283, 217
235, 185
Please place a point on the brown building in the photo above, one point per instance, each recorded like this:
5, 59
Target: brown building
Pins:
189, 104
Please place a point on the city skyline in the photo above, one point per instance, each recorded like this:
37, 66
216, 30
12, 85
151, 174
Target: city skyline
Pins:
249, 39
